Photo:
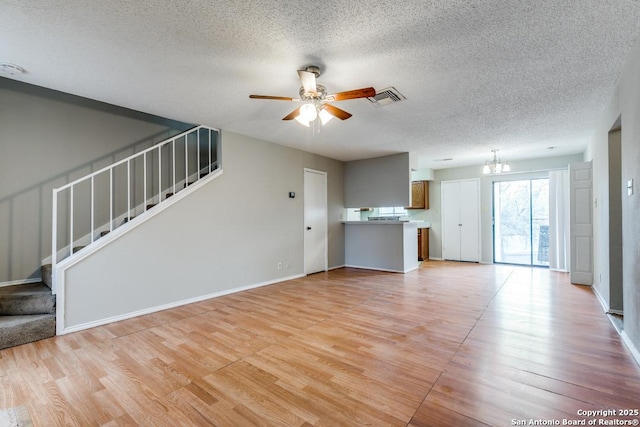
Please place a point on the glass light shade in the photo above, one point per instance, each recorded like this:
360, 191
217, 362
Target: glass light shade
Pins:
301, 120
324, 117
308, 112
506, 168
498, 167
485, 169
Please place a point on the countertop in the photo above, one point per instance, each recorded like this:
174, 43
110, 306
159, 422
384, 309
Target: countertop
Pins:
419, 224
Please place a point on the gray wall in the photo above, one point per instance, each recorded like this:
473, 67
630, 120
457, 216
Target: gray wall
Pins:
229, 234
525, 169
625, 103
47, 139
378, 182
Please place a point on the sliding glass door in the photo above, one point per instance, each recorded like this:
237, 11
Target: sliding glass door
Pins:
521, 222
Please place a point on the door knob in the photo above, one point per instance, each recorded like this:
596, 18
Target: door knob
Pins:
308, 228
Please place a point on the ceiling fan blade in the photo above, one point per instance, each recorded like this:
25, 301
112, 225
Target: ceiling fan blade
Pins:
335, 111
292, 115
279, 98
352, 94
308, 80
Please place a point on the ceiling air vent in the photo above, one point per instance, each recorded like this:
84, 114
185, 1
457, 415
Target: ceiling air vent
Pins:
386, 96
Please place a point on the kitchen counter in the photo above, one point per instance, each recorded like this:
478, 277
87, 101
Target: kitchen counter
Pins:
381, 245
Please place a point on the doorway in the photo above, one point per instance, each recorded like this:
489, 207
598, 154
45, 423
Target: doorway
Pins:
616, 288
521, 222
315, 221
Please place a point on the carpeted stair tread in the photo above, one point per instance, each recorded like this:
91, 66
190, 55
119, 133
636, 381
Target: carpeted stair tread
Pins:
33, 298
17, 330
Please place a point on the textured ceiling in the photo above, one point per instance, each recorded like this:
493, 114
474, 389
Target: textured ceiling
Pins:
509, 74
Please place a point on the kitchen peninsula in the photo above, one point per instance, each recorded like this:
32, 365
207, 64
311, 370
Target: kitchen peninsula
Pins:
381, 245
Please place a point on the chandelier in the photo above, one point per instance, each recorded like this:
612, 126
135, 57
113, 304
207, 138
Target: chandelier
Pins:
495, 165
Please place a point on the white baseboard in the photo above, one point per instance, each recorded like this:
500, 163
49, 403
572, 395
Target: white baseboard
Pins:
632, 348
380, 269
600, 299
20, 282
336, 267
67, 330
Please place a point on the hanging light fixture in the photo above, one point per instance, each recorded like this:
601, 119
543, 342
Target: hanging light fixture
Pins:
310, 112
495, 165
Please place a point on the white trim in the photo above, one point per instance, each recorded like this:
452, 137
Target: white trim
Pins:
93, 324
20, 282
326, 217
382, 269
632, 348
600, 299
336, 267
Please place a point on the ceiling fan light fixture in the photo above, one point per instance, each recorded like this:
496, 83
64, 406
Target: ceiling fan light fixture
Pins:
302, 120
324, 117
308, 112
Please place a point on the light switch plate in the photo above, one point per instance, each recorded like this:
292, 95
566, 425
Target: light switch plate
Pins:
630, 187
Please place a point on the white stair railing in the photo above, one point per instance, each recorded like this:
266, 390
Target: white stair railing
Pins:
92, 206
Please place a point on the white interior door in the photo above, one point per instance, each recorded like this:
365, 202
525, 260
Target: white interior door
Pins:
461, 220
581, 223
315, 221
470, 219
451, 220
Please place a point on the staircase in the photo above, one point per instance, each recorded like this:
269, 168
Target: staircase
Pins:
97, 208
27, 314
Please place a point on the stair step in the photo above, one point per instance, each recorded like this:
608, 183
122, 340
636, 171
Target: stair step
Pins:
104, 233
189, 183
202, 175
126, 220
33, 298
77, 248
168, 195
17, 330
45, 272
150, 206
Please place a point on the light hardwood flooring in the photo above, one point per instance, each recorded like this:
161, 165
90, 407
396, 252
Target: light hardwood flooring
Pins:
451, 344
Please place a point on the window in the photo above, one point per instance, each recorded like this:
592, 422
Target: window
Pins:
396, 211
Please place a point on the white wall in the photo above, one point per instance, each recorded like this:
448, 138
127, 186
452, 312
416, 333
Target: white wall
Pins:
229, 234
526, 169
625, 103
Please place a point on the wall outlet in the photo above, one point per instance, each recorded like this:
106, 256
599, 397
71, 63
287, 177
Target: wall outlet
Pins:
279, 266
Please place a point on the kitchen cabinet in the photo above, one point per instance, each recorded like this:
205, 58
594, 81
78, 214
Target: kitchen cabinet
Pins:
419, 195
423, 244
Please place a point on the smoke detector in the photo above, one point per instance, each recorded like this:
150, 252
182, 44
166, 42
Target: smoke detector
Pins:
11, 69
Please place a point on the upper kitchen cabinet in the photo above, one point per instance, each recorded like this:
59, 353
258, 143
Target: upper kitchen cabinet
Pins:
419, 195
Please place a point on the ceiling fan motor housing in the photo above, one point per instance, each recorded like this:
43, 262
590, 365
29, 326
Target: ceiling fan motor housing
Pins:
313, 69
320, 93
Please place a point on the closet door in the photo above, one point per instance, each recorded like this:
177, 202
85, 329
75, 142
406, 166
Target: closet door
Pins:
451, 220
461, 220
470, 220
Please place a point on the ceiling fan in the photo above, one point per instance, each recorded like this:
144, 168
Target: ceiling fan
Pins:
316, 101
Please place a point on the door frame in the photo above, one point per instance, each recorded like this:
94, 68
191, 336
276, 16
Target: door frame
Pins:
325, 240
531, 235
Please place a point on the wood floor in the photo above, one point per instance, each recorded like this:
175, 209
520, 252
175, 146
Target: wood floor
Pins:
451, 344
